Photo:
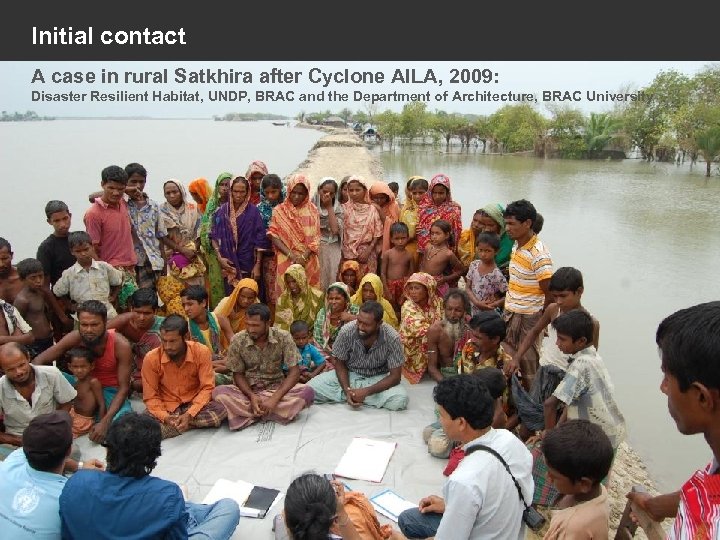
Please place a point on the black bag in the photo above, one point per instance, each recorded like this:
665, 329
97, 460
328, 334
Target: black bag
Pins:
531, 517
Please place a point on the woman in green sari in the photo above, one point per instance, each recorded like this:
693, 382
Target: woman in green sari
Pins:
216, 285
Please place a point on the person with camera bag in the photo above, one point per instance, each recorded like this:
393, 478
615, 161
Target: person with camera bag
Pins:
489, 493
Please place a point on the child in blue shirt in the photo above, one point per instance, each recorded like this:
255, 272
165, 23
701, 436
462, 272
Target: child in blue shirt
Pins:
312, 361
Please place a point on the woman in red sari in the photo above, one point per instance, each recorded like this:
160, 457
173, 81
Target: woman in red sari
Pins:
437, 204
295, 232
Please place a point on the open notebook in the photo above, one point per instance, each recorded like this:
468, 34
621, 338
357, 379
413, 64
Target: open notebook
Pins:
254, 501
365, 459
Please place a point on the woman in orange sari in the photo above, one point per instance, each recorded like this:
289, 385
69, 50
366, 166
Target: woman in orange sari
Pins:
234, 306
363, 228
384, 200
295, 232
201, 192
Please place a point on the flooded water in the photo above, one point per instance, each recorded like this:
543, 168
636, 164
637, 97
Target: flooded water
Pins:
640, 233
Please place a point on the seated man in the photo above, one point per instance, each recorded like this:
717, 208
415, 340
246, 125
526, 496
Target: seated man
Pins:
443, 336
126, 502
178, 380
260, 390
32, 479
481, 499
112, 365
368, 358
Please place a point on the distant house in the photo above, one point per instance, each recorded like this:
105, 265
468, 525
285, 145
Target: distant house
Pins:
334, 121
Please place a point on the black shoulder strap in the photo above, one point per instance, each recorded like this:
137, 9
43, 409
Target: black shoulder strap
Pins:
489, 450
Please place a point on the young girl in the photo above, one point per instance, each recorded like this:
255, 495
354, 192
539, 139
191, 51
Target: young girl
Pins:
331, 222
416, 188
486, 286
350, 275
272, 193
438, 257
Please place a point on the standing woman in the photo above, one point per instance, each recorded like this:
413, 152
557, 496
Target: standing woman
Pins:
437, 204
295, 233
384, 199
201, 192
182, 221
272, 193
416, 188
363, 228
331, 228
255, 173
238, 236
215, 285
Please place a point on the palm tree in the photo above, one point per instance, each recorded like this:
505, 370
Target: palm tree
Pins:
599, 131
708, 144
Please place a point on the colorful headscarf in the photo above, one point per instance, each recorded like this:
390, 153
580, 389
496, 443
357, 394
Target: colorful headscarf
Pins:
185, 219
389, 315
429, 212
495, 211
214, 271
337, 209
303, 307
392, 210
266, 207
233, 214
256, 167
202, 190
324, 333
226, 307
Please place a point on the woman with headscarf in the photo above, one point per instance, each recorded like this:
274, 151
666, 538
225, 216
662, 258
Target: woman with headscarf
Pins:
272, 193
437, 204
295, 232
216, 284
238, 235
492, 221
422, 308
415, 189
235, 305
337, 311
384, 199
331, 228
201, 192
371, 288
298, 301
255, 173
363, 228
349, 274
182, 220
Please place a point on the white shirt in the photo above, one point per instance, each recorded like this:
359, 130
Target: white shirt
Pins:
481, 500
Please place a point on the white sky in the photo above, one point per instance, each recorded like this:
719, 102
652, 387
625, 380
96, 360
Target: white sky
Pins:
519, 77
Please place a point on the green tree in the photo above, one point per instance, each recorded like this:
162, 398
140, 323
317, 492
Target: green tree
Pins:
414, 120
708, 144
445, 125
600, 130
565, 132
517, 127
345, 114
388, 125
483, 130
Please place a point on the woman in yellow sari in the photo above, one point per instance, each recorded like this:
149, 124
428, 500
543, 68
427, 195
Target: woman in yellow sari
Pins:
421, 309
298, 301
234, 306
371, 288
415, 188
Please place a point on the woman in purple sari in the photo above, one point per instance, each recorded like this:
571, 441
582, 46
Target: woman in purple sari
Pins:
238, 236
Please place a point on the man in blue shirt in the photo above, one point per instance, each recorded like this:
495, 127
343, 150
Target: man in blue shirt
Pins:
126, 502
32, 480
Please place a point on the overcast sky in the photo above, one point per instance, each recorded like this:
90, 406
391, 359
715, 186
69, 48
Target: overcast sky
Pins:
16, 91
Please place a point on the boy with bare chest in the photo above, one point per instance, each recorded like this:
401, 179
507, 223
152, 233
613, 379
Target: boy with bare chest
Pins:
89, 402
32, 304
396, 265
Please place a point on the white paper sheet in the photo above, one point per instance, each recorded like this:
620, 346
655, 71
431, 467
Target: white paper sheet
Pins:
238, 491
365, 459
390, 504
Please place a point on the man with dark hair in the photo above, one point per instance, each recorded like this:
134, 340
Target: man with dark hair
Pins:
178, 381
368, 358
113, 364
10, 282
689, 343
480, 499
126, 502
32, 479
444, 336
528, 293
261, 391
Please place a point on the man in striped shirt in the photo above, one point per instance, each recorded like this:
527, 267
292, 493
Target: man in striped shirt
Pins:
689, 343
528, 293
368, 358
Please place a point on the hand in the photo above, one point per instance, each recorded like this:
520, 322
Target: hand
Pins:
535, 438
325, 200
181, 422
511, 366
256, 273
219, 366
98, 431
433, 503
485, 306
226, 264
189, 253
644, 501
363, 254
359, 395
305, 377
346, 316
349, 399
256, 406
269, 404
94, 464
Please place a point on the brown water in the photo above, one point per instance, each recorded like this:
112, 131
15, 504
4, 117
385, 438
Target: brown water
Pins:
641, 233
645, 236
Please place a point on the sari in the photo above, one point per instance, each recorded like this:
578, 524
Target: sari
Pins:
218, 344
392, 211
415, 321
216, 284
269, 262
303, 307
226, 306
429, 213
182, 224
330, 245
239, 233
389, 315
299, 229
361, 226
495, 211
324, 333
255, 167
409, 216
202, 190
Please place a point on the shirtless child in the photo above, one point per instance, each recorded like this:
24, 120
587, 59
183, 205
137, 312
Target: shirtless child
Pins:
31, 304
396, 265
89, 402
10, 282
438, 257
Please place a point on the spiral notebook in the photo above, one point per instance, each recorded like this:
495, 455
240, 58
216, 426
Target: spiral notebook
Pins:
365, 459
